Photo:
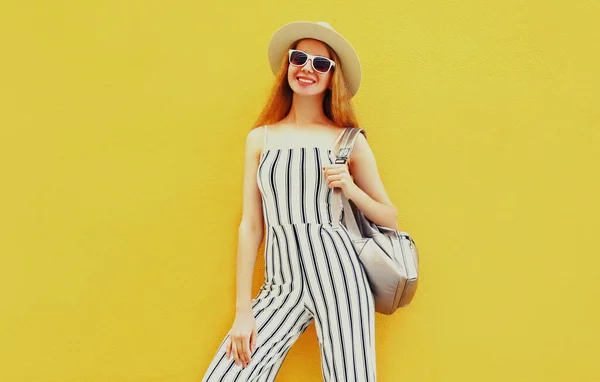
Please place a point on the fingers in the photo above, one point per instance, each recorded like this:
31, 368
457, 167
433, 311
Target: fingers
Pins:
336, 177
247, 352
253, 340
242, 340
335, 168
241, 352
337, 174
235, 353
245, 346
239, 348
228, 347
336, 180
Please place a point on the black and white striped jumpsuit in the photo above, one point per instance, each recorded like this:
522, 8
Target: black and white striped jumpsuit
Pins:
312, 273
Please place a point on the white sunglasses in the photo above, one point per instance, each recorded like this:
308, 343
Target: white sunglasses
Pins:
319, 63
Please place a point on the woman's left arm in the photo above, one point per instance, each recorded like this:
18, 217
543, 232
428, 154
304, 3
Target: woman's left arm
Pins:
366, 190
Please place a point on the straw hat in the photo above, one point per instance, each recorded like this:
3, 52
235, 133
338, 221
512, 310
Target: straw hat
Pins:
322, 31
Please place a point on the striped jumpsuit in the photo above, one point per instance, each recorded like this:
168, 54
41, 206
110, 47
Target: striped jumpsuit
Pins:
312, 272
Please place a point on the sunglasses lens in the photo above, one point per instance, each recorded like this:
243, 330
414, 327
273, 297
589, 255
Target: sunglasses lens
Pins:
321, 64
298, 58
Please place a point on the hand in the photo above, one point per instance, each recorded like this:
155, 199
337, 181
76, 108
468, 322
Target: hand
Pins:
337, 175
242, 338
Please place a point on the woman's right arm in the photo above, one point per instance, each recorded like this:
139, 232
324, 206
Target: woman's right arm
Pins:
242, 339
250, 231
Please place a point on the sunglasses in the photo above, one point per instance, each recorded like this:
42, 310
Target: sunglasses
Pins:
319, 63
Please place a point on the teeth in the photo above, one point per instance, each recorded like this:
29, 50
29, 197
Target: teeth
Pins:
305, 81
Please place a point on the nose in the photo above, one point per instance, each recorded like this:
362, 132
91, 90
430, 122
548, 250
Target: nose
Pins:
308, 66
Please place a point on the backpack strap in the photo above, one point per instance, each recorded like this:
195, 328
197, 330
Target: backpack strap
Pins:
340, 135
348, 139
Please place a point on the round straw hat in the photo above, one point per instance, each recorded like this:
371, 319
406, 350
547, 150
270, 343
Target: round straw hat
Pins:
322, 31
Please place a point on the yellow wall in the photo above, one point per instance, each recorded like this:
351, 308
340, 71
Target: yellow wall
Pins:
122, 127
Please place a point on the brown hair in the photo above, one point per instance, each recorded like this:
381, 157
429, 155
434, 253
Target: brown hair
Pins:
336, 102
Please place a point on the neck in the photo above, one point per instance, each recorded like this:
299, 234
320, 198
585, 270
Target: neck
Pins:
307, 110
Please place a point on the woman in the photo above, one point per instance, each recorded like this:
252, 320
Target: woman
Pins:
312, 272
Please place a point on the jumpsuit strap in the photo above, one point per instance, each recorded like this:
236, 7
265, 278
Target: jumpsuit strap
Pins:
265, 135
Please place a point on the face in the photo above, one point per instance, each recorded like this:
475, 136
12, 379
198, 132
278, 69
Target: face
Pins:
317, 82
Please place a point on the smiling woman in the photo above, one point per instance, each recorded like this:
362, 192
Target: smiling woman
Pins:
313, 272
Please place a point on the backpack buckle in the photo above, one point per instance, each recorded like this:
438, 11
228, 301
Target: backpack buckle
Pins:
342, 156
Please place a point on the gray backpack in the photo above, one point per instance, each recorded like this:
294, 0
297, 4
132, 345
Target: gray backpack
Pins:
388, 256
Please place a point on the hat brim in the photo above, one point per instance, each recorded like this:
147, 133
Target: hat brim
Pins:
287, 34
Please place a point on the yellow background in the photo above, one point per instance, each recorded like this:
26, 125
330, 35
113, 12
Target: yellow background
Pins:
122, 128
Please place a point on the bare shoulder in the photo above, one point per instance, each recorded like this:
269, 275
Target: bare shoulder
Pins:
361, 151
361, 142
256, 134
254, 140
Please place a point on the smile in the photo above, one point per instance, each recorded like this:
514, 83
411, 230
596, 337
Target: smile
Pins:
304, 80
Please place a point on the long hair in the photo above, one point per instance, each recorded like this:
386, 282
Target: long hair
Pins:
337, 104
